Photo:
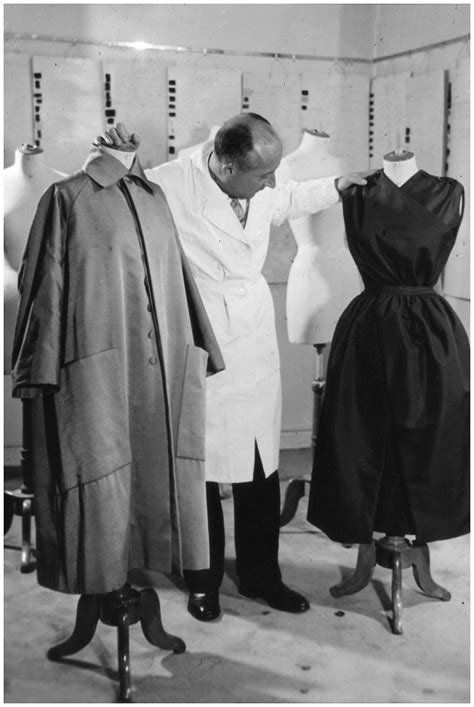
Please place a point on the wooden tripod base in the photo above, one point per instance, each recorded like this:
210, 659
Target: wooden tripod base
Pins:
395, 553
120, 608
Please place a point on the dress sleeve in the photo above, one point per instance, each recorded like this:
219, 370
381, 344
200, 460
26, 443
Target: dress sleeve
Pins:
295, 199
38, 332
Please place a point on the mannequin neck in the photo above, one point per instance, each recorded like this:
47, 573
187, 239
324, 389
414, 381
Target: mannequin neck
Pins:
30, 162
399, 166
315, 142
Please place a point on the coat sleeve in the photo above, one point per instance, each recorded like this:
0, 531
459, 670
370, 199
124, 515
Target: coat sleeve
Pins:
38, 332
295, 199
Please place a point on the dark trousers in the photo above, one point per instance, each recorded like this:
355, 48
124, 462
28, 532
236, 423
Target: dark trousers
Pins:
256, 533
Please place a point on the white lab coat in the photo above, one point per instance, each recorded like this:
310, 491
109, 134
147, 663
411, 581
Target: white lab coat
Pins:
243, 401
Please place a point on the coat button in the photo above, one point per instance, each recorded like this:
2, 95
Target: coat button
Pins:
151, 334
153, 360
148, 307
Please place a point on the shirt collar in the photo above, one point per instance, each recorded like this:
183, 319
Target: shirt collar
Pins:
106, 170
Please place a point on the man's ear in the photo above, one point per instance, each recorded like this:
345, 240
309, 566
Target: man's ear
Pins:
228, 170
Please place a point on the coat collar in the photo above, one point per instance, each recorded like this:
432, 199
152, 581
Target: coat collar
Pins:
106, 170
214, 202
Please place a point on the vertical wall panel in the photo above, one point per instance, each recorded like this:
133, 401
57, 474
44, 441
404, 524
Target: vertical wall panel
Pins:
68, 108
135, 94
457, 271
18, 113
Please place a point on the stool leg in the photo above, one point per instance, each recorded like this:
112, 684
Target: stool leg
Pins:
26, 564
8, 512
125, 678
152, 626
422, 573
295, 491
362, 575
87, 617
397, 594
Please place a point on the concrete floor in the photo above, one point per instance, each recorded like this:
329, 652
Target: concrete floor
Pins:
341, 651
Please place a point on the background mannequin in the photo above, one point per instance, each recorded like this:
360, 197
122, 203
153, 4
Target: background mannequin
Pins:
323, 278
24, 183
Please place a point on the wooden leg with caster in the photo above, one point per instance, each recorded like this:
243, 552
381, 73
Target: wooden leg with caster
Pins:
422, 573
364, 570
121, 608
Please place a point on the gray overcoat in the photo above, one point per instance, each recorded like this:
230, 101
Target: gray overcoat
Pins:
113, 345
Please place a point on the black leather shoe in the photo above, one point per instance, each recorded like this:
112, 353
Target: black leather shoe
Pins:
278, 596
204, 607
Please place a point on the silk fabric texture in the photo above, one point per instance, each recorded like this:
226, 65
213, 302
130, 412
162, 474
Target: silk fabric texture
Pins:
392, 451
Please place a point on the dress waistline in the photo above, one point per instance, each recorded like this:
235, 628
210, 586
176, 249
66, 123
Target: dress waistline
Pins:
398, 290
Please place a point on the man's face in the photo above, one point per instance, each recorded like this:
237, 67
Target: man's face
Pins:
245, 184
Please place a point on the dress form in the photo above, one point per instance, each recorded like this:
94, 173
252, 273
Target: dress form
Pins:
185, 152
323, 278
24, 183
399, 166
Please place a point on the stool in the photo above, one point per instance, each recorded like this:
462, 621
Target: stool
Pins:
395, 553
20, 502
121, 608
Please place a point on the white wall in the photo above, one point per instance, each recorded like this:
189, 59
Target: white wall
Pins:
400, 28
332, 29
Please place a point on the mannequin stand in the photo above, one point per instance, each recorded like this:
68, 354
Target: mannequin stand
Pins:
121, 608
395, 553
296, 487
20, 502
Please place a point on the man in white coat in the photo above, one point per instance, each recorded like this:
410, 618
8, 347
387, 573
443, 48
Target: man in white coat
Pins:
223, 212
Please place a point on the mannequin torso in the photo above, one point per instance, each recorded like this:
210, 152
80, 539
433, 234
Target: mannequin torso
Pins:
323, 278
24, 184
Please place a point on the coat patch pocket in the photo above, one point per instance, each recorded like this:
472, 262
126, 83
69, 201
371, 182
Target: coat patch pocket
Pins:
191, 439
92, 419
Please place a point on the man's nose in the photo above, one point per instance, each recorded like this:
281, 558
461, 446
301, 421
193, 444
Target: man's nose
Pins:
270, 181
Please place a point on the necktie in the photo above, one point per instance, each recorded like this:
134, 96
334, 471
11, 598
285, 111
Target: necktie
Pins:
239, 211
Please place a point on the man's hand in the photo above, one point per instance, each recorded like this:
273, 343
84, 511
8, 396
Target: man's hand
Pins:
119, 138
356, 178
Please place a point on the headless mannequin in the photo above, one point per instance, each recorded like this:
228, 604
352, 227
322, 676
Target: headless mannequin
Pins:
398, 166
24, 184
185, 152
323, 278
394, 552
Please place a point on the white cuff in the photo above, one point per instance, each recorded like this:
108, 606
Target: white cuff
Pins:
126, 158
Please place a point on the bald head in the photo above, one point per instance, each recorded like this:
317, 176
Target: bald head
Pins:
245, 140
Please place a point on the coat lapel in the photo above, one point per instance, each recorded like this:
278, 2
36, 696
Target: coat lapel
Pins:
214, 203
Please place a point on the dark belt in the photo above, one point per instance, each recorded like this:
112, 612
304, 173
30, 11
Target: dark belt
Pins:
398, 290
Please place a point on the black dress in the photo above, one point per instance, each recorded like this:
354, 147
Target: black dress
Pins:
392, 453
